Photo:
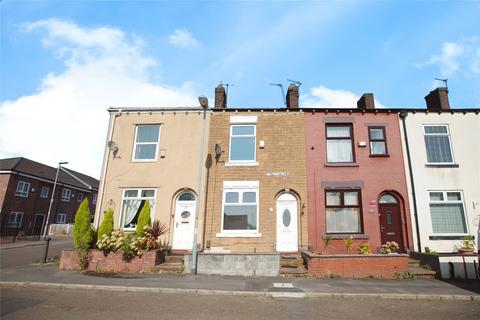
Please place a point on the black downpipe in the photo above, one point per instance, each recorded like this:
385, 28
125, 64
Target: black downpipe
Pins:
403, 115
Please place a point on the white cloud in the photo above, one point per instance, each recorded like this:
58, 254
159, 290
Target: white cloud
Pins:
183, 39
323, 97
462, 57
66, 118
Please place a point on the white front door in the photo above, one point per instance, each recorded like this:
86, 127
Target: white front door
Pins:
184, 222
287, 233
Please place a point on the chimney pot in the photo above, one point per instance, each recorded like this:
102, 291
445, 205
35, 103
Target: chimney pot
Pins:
292, 97
366, 101
438, 99
220, 97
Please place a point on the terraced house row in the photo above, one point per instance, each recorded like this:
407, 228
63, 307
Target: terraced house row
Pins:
258, 182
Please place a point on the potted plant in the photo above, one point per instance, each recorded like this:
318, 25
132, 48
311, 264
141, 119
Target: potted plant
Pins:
468, 243
390, 247
327, 241
364, 248
348, 243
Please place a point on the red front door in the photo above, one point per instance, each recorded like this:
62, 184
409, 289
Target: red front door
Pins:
391, 224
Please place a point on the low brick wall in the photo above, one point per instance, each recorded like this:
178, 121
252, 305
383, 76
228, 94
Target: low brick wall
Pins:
112, 262
355, 265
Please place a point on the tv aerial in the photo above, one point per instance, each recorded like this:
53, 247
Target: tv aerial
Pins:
444, 81
297, 83
284, 99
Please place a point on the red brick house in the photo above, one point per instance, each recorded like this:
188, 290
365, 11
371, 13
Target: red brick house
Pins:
26, 189
356, 178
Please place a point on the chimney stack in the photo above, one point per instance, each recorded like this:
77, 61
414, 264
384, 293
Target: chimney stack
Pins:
220, 97
438, 99
292, 97
366, 101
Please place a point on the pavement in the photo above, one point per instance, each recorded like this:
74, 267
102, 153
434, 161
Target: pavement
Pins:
48, 276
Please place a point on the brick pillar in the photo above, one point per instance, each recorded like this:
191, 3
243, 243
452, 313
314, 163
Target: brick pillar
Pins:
292, 97
220, 97
438, 99
366, 101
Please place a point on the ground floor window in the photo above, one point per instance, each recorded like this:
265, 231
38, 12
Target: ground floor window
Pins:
15, 219
343, 211
132, 203
240, 207
61, 218
447, 212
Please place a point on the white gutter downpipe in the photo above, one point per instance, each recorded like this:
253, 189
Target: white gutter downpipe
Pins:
101, 189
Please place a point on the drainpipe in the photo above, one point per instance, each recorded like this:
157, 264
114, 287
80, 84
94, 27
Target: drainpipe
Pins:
101, 189
403, 115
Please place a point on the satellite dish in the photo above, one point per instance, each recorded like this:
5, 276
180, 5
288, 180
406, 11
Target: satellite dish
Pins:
218, 151
112, 146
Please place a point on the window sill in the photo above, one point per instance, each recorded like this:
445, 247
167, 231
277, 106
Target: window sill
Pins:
448, 165
450, 237
379, 156
145, 161
341, 236
241, 164
20, 195
340, 164
238, 235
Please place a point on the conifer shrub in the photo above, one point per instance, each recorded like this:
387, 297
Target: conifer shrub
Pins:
82, 233
106, 227
143, 219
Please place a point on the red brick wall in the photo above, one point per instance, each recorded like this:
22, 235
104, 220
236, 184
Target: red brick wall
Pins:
358, 266
378, 174
112, 262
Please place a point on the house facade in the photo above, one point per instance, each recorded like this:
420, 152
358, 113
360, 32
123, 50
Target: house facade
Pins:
356, 179
442, 151
256, 185
153, 155
26, 188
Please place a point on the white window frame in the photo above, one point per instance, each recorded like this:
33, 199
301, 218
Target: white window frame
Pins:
240, 186
63, 198
243, 162
41, 192
94, 198
22, 193
80, 196
14, 224
63, 220
135, 143
446, 201
139, 190
438, 134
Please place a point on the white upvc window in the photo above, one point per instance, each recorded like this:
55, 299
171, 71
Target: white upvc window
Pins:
22, 189
133, 201
147, 138
438, 144
15, 219
61, 218
44, 192
242, 143
66, 193
447, 212
79, 197
94, 198
240, 213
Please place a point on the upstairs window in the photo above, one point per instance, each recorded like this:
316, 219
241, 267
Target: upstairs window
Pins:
340, 143
437, 144
44, 192
15, 219
94, 198
66, 193
447, 212
378, 141
146, 142
79, 197
242, 143
343, 211
22, 189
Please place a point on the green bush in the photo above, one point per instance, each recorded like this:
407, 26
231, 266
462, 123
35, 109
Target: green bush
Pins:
82, 230
143, 219
106, 227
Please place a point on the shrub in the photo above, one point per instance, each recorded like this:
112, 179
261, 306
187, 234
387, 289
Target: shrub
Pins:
327, 241
106, 227
348, 243
390, 247
82, 230
364, 248
468, 242
143, 218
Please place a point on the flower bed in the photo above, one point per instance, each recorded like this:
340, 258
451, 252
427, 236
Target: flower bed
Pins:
386, 266
100, 261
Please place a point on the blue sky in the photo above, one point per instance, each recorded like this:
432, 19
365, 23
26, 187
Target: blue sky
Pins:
73, 59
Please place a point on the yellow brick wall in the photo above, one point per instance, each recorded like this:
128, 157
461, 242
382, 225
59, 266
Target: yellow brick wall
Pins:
283, 133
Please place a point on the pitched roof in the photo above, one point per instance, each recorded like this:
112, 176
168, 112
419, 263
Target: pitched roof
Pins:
40, 170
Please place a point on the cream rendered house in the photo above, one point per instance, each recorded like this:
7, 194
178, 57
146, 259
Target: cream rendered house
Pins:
153, 154
442, 148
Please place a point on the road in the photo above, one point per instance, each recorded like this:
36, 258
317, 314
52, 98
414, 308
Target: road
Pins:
35, 303
11, 257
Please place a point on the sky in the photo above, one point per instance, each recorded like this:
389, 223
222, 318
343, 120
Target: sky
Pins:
63, 63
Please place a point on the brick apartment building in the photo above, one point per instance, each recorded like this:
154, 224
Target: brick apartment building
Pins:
25, 191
